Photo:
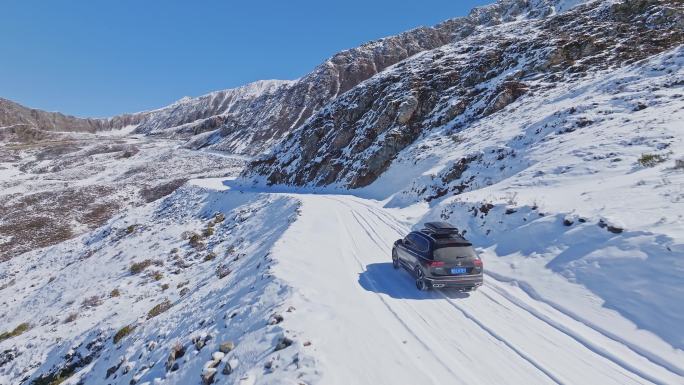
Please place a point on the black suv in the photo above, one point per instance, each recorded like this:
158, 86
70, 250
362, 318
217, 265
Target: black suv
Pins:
438, 256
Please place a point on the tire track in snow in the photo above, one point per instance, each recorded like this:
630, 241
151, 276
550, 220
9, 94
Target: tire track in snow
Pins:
381, 243
655, 359
496, 336
588, 344
489, 332
388, 220
369, 229
388, 306
594, 347
373, 237
548, 372
383, 216
380, 214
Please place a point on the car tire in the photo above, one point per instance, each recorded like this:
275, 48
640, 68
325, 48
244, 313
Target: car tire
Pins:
395, 260
421, 284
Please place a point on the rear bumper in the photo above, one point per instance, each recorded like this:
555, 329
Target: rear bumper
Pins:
458, 282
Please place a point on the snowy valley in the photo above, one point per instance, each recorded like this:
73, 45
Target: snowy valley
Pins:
244, 237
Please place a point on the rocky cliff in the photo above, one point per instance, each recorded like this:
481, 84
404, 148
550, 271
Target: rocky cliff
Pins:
254, 124
354, 138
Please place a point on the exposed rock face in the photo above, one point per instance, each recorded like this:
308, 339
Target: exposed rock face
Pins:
252, 125
249, 122
355, 137
370, 102
257, 116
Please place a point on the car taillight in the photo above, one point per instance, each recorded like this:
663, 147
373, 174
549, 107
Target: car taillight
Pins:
436, 264
478, 262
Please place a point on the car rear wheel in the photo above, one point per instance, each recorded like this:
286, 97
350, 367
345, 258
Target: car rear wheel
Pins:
395, 260
421, 283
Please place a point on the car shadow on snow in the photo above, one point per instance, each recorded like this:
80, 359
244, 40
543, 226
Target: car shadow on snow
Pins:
384, 279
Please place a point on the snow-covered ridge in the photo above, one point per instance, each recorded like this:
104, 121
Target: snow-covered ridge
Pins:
253, 122
250, 90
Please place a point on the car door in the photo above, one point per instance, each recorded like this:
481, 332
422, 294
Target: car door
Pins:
422, 248
412, 253
403, 250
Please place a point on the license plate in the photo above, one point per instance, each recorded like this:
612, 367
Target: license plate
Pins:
458, 270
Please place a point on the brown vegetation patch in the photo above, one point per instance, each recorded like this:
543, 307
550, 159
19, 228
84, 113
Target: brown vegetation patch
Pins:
151, 194
45, 218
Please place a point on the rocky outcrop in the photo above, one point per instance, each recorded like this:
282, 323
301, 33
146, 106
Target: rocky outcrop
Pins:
354, 138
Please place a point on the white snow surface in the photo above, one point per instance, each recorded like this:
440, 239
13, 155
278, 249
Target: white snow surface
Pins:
321, 261
565, 300
368, 317
49, 289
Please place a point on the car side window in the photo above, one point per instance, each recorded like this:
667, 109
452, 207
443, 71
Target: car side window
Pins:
417, 243
407, 241
410, 241
422, 244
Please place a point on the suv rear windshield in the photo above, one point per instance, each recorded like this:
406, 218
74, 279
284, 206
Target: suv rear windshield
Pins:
454, 252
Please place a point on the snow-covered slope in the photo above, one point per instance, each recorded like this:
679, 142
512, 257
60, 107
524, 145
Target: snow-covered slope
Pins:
243, 121
190, 273
298, 288
248, 122
69, 183
549, 132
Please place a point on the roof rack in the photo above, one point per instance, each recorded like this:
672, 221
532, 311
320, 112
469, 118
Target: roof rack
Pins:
441, 228
444, 232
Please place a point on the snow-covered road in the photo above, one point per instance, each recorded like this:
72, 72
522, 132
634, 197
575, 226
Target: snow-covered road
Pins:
369, 325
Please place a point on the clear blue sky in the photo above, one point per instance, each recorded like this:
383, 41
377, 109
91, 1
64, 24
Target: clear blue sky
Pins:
100, 58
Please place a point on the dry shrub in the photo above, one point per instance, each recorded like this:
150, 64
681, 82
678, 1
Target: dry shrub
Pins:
159, 308
93, 301
195, 241
138, 267
71, 318
650, 160
219, 217
123, 332
20, 329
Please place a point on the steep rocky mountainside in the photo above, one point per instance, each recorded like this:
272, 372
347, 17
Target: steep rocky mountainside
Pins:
255, 117
354, 139
251, 125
